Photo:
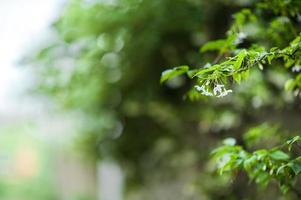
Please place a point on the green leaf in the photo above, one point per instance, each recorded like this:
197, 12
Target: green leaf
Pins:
213, 45
270, 58
262, 178
221, 45
191, 73
292, 141
170, 73
295, 139
237, 77
279, 155
281, 169
296, 167
248, 163
240, 58
261, 153
245, 74
205, 70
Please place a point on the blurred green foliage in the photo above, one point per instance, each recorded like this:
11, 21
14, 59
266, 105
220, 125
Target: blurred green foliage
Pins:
106, 60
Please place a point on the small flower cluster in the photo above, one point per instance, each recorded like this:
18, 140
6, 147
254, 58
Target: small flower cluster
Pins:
219, 90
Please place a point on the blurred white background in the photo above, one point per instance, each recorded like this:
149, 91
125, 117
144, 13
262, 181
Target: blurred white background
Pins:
22, 24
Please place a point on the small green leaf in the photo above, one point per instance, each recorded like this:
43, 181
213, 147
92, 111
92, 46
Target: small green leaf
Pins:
270, 58
206, 70
245, 74
248, 163
191, 73
281, 169
240, 58
292, 141
170, 73
261, 153
221, 45
295, 167
237, 77
213, 45
273, 49
262, 178
279, 155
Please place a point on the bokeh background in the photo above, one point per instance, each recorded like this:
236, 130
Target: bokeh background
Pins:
83, 115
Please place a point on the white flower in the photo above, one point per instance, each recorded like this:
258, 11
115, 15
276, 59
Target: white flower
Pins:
218, 89
203, 90
199, 88
224, 93
207, 93
296, 68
